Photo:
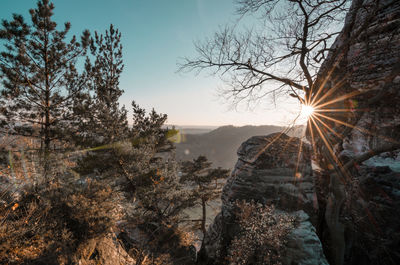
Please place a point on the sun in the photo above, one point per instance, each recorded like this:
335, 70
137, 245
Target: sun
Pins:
307, 111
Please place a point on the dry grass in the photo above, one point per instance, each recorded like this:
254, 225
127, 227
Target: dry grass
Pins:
51, 223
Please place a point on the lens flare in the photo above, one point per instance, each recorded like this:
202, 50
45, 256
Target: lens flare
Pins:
307, 111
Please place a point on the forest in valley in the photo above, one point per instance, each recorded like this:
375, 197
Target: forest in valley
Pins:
87, 180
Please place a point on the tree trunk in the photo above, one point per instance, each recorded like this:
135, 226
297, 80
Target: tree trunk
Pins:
46, 112
204, 217
47, 126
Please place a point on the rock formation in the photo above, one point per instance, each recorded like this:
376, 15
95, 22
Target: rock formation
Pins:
351, 197
355, 196
274, 169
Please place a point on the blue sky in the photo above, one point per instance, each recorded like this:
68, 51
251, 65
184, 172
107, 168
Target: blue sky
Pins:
155, 34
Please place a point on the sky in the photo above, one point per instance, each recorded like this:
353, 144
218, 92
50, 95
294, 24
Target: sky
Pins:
156, 34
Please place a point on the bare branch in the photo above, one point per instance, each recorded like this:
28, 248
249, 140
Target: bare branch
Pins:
287, 49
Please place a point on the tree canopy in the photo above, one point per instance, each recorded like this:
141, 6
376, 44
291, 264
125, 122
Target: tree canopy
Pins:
41, 83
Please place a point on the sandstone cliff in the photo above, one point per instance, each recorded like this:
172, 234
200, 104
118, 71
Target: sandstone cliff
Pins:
274, 169
350, 198
357, 191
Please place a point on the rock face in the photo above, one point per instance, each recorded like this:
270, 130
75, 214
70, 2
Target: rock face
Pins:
304, 246
357, 152
274, 169
270, 170
372, 218
358, 199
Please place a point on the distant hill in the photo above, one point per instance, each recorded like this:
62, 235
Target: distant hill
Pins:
220, 145
193, 129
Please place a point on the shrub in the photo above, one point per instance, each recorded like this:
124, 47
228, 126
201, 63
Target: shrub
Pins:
262, 234
52, 223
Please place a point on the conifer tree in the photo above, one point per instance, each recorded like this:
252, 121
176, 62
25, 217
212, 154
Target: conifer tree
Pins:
158, 198
103, 124
205, 179
105, 121
39, 76
150, 163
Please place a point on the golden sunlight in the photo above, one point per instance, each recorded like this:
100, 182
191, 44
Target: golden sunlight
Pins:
306, 111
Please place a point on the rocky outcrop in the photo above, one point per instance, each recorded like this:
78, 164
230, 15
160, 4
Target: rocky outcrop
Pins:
274, 169
356, 195
357, 143
371, 217
303, 246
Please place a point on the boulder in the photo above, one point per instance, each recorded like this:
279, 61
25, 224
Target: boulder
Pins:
271, 170
304, 246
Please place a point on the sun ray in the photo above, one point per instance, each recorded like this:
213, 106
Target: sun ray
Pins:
316, 101
339, 110
266, 146
339, 168
329, 128
327, 144
341, 98
327, 77
287, 143
307, 97
357, 128
235, 172
312, 134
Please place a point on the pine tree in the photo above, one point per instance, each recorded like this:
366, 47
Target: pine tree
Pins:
147, 162
205, 179
104, 124
105, 121
40, 79
150, 162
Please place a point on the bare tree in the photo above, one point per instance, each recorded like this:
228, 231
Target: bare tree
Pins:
281, 55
